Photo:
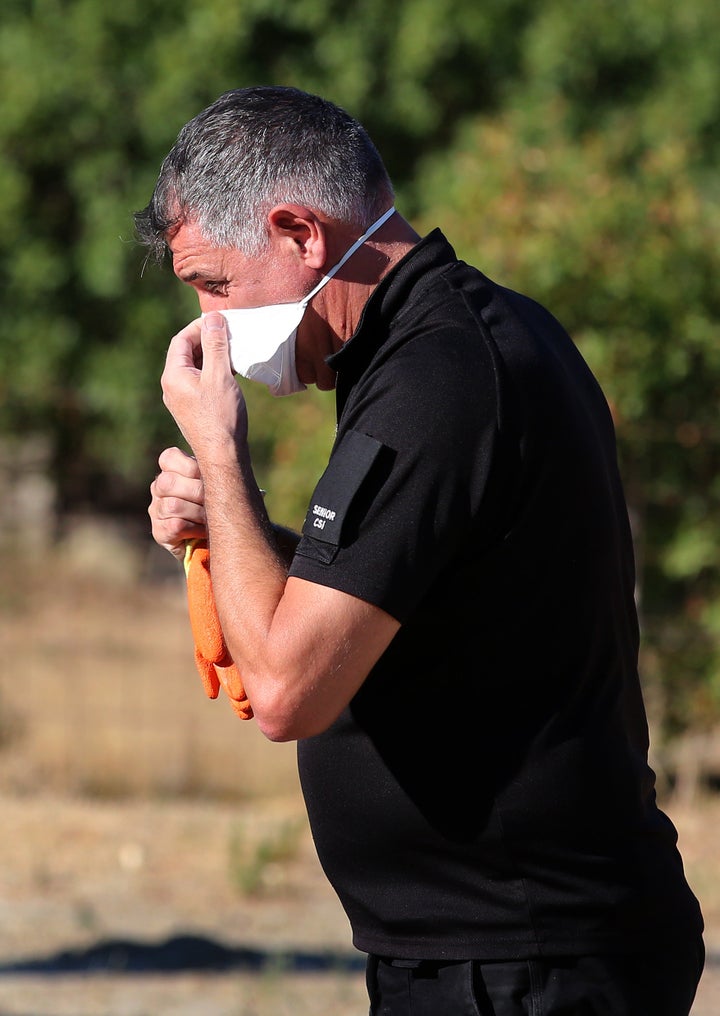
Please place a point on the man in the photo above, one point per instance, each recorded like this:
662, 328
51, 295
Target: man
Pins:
453, 640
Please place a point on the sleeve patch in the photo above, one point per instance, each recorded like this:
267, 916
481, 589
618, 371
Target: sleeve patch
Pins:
346, 471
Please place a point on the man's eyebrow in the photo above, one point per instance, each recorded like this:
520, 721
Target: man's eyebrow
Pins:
194, 276
189, 273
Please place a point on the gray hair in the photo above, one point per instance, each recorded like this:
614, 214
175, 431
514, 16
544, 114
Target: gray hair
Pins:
257, 147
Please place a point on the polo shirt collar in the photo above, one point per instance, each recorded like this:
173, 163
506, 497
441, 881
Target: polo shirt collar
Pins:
391, 294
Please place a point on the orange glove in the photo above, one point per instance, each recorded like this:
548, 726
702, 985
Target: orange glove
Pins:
212, 658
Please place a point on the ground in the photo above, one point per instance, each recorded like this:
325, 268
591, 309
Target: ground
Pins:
150, 907
142, 908
155, 858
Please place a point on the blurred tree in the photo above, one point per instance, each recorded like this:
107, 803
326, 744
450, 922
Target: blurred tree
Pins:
569, 149
91, 98
80, 347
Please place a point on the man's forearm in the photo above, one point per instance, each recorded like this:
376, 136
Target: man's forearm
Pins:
248, 567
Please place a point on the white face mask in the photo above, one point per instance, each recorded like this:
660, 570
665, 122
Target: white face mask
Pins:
262, 339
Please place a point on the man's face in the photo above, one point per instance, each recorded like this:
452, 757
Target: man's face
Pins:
223, 277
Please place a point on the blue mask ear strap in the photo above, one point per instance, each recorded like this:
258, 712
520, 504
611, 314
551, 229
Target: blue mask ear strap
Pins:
348, 254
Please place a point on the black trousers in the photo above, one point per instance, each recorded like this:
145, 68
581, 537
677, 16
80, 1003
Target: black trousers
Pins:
659, 984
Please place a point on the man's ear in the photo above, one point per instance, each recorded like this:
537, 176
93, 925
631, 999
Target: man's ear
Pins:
299, 226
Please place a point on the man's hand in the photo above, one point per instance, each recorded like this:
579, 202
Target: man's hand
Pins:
200, 390
201, 393
177, 508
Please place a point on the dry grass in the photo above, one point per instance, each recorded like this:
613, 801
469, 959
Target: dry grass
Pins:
99, 695
135, 808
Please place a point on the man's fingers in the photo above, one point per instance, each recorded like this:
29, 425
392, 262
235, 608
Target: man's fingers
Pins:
215, 346
184, 351
178, 484
177, 506
200, 390
173, 532
174, 460
175, 520
201, 345
179, 479
179, 496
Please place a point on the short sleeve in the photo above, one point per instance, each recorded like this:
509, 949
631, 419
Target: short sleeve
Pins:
401, 492
329, 515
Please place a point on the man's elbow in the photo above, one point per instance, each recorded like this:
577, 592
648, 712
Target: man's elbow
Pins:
282, 717
279, 727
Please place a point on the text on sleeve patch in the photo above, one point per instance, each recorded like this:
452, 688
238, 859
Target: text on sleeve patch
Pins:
348, 467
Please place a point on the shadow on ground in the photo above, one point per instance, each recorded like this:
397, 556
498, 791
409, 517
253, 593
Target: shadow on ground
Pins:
186, 953
181, 953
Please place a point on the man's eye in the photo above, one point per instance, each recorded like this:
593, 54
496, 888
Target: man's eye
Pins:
217, 288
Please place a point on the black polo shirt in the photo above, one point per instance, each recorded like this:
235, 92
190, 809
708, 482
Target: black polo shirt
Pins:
486, 794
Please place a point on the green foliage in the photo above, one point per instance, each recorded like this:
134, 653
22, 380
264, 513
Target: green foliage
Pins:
72, 359
291, 440
568, 149
91, 98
